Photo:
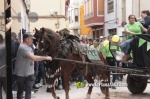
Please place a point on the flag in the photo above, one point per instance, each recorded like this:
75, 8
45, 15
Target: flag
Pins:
141, 42
148, 46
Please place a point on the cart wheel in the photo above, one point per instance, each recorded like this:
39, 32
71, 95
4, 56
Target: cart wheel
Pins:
103, 88
136, 85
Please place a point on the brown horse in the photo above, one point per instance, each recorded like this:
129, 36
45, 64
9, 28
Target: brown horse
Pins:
55, 47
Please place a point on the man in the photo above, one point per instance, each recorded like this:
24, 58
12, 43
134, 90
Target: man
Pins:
3, 82
83, 41
106, 51
24, 66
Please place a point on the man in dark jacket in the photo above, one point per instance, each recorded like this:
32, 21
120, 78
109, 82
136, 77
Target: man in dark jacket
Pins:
146, 16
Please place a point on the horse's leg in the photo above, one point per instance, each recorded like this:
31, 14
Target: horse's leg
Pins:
90, 81
54, 93
66, 83
107, 96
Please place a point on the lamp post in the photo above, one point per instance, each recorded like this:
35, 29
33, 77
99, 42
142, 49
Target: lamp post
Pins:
8, 51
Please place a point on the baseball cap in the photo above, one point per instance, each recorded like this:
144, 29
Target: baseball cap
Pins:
28, 35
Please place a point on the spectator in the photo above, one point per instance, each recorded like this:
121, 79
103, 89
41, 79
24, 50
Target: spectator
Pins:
24, 66
131, 29
146, 16
14, 48
3, 82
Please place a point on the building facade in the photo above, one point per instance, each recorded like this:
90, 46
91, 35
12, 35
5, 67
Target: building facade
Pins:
19, 12
51, 14
73, 16
84, 31
94, 16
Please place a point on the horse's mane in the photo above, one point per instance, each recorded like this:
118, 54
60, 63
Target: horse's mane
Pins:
51, 38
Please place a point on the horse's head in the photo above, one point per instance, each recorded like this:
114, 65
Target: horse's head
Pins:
50, 39
38, 36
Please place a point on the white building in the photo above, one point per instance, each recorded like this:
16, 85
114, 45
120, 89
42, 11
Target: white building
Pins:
51, 14
73, 15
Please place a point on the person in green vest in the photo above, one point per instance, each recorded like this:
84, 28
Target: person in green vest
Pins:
108, 55
131, 29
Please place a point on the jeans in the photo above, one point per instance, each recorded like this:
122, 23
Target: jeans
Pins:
80, 78
25, 83
41, 70
14, 83
126, 46
3, 84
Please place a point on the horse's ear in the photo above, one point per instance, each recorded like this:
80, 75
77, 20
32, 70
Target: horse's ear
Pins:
36, 30
43, 29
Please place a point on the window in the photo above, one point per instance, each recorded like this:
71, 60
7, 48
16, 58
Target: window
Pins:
112, 31
94, 34
97, 33
88, 9
123, 10
110, 6
72, 16
76, 14
101, 32
91, 7
69, 16
100, 7
85, 10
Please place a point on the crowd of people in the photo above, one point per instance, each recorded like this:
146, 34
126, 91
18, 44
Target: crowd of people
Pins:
28, 68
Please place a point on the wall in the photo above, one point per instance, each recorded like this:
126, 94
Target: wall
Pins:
44, 8
144, 5
2, 18
16, 8
110, 18
83, 29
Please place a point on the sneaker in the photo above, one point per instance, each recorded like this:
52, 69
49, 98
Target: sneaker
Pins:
14, 92
36, 86
32, 92
39, 84
24, 94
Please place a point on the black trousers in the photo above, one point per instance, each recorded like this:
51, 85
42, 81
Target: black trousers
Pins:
25, 83
111, 61
3, 84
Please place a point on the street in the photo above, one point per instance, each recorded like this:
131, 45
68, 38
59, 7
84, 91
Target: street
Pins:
118, 93
49, 39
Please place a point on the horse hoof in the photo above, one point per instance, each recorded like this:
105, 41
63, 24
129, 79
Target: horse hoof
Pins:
107, 97
57, 98
88, 96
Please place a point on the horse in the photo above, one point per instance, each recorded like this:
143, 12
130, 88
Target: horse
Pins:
55, 46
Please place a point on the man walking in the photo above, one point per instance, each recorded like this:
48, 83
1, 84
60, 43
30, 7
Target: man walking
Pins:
3, 82
24, 66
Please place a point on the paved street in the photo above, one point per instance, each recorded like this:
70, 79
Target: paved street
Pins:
119, 93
